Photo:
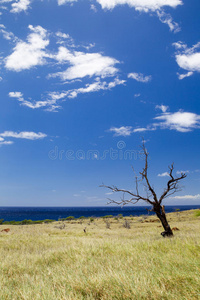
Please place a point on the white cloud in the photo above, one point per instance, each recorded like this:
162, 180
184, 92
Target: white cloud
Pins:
182, 76
29, 54
141, 129
3, 142
187, 197
7, 34
85, 64
167, 19
187, 58
61, 2
6, 143
5, 1
93, 7
165, 174
162, 107
51, 102
137, 95
29, 135
182, 172
140, 77
144, 5
80, 65
179, 121
95, 87
21, 5
122, 131
62, 35
17, 95
189, 61
1, 78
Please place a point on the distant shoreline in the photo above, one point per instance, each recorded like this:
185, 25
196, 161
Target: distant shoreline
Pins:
50, 214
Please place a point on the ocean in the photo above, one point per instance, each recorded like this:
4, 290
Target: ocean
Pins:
55, 213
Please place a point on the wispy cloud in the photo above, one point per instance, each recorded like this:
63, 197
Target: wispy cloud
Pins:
3, 142
187, 197
28, 135
140, 77
180, 121
165, 174
162, 107
167, 19
51, 103
143, 129
156, 6
122, 131
182, 172
8, 35
61, 2
182, 76
93, 7
95, 87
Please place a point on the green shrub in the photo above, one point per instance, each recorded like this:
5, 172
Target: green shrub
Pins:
10, 222
48, 221
82, 217
70, 218
107, 216
91, 219
197, 213
25, 222
1, 221
37, 222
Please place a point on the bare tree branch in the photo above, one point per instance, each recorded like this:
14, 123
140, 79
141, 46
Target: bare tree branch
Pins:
135, 197
144, 173
172, 184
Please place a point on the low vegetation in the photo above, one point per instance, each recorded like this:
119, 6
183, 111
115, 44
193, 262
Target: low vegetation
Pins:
42, 261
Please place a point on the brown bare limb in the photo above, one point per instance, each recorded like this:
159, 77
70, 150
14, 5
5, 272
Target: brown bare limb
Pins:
144, 173
135, 197
172, 184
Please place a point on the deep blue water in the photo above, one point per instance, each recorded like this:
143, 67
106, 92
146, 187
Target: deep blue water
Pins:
42, 213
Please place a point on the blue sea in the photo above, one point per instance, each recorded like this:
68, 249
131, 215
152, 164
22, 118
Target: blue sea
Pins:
55, 213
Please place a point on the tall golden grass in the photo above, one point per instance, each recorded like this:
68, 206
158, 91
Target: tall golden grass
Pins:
45, 262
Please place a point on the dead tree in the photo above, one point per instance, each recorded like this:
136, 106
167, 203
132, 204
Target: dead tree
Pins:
151, 196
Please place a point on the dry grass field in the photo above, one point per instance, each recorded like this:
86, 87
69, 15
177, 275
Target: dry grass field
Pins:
46, 262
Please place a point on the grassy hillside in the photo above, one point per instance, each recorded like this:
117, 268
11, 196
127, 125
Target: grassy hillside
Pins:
46, 262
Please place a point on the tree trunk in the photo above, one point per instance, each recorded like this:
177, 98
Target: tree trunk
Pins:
160, 212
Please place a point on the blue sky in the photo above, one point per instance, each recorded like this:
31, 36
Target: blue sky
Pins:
82, 82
